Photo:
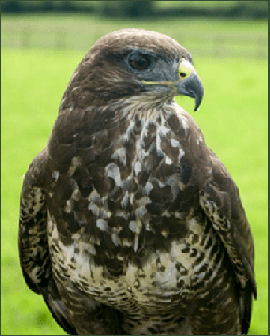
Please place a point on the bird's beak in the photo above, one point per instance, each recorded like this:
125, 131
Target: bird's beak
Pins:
189, 83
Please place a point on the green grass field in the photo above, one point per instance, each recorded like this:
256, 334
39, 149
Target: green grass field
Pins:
204, 37
233, 118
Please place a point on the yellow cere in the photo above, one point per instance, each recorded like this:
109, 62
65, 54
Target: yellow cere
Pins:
185, 69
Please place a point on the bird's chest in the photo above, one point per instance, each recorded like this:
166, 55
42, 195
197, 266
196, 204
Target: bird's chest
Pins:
157, 279
143, 166
147, 149
140, 193
125, 233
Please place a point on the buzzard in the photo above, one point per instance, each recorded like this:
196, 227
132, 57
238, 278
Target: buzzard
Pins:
129, 223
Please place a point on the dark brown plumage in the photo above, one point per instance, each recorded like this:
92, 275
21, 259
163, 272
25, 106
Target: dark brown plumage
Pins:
129, 223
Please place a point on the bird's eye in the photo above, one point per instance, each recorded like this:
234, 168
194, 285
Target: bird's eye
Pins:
139, 61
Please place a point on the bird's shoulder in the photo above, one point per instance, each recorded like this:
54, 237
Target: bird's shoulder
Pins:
32, 224
37, 169
220, 199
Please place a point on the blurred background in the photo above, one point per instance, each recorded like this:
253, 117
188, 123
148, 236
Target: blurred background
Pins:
75, 24
43, 42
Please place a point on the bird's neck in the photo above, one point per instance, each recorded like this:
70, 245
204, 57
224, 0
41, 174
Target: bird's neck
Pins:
141, 107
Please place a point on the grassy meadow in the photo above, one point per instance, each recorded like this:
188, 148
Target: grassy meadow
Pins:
233, 118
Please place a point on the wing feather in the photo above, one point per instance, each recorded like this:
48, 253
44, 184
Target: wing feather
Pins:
221, 202
33, 242
219, 199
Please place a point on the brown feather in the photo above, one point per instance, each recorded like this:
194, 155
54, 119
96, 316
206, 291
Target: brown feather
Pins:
129, 223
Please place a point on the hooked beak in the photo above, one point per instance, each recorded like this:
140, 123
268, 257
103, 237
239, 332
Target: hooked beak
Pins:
192, 87
188, 83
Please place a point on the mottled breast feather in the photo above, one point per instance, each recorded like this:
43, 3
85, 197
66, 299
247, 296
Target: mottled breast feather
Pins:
129, 223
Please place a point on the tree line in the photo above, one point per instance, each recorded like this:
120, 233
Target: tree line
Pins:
139, 8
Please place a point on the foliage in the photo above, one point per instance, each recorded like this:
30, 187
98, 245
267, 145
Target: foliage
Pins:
229, 9
142, 8
131, 9
233, 118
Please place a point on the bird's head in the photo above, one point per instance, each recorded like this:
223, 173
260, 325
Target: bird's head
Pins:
136, 62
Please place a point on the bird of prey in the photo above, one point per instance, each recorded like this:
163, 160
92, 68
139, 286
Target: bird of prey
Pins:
129, 223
